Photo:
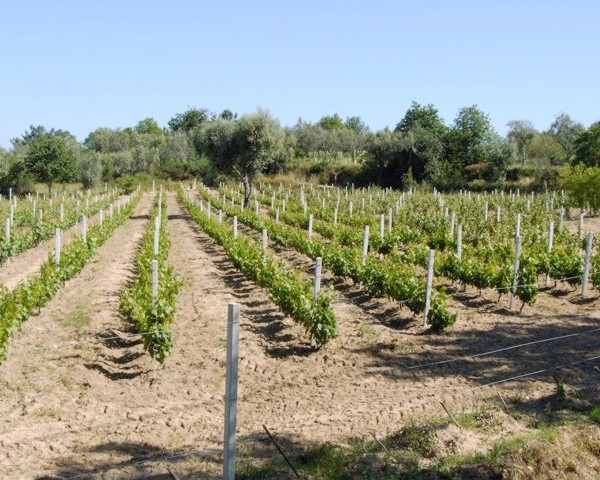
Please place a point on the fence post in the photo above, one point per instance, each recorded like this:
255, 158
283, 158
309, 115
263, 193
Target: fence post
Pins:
231, 384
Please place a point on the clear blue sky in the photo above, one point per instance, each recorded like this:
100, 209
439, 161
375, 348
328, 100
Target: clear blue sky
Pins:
83, 64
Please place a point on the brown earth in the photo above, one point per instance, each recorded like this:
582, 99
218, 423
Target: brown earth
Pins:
79, 398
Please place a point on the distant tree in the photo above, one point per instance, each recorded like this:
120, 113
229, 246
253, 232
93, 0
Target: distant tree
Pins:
545, 150
189, 120
587, 147
565, 131
106, 140
148, 126
469, 136
50, 159
259, 143
356, 125
520, 134
228, 115
425, 117
331, 122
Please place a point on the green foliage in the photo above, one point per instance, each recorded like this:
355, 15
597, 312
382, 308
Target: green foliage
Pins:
583, 186
153, 317
331, 122
148, 126
587, 147
189, 120
50, 160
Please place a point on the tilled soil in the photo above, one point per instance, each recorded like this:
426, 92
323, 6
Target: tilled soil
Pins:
81, 399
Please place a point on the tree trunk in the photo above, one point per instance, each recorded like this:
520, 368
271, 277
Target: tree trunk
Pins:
247, 191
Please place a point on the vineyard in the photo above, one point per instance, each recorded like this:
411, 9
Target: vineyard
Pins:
113, 318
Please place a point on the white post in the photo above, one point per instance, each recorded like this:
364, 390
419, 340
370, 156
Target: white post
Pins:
382, 226
390, 220
459, 243
580, 229
452, 222
351, 205
498, 213
101, 216
487, 206
57, 248
235, 227
518, 232
154, 282
84, 228
231, 384
335, 215
7, 231
264, 244
156, 234
588, 261
550, 246
277, 215
310, 225
62, 212
318, 266
110, 211
429, 285
12, 214
220, 216
365, 245
515, 272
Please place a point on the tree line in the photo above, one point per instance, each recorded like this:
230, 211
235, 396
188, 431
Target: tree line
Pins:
466, 153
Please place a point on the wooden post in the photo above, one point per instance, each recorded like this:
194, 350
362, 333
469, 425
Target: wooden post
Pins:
154, 282
518, 242
318, 266
231, 387
429, 285
365, 245
588, 261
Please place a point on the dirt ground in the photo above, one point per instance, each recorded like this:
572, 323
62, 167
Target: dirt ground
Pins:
79, 398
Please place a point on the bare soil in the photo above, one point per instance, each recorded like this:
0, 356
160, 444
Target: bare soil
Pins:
79, 398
